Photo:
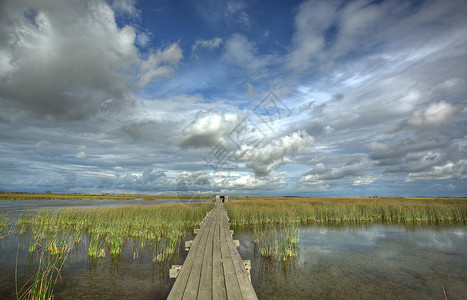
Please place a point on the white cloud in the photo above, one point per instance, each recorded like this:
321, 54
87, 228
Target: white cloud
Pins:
208, 44
311, 22
162, 63
208, 129
364, 180
434, 114
125, 7
445, 171
243, 53
324, 172
142, 39
70, 61
263, 159
235, 12
81, 154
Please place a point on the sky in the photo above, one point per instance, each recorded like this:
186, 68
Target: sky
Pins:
266, 98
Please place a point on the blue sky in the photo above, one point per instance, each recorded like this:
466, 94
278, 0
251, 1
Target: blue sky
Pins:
311, 98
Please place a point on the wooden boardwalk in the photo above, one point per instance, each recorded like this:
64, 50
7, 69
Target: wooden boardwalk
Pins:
213, 268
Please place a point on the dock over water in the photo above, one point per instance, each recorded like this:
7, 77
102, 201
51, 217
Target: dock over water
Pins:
213, 268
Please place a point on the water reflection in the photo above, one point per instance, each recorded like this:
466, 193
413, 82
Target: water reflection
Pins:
364, 262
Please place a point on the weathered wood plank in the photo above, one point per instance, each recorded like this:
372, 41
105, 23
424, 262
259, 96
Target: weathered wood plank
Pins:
213, 268
205, 283
191, 289
179, 286
232, 286
218, 281
244, 282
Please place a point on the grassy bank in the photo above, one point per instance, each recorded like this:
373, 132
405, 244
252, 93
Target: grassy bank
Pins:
348, 211
53, 196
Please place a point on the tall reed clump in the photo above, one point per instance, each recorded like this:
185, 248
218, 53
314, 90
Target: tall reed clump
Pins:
109, 229
4, 226
277, 242
348, 211
53, 249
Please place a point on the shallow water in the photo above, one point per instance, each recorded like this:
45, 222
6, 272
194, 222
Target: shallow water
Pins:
346, 262
365, 262
16, 208
85, 278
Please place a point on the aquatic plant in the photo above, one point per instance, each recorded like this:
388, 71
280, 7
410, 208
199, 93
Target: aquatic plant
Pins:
4, 226
109, 229
53, 251
277, 242
348, 211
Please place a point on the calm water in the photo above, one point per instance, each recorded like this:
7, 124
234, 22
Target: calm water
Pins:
365, 262
349, 262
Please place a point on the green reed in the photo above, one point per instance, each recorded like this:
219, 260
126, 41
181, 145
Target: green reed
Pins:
277, 242
109, 229
275, 220
53, 249
348, 211
54, 234
4, 226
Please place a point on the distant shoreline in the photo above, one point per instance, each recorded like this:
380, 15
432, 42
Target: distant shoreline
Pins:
60, 196
52, 196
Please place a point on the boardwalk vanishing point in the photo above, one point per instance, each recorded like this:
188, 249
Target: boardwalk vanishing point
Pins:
213, 268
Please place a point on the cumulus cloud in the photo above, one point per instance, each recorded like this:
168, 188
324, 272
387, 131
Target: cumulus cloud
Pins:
432, 115
249, 182
148, 180
63, 64
405, 145
263, 159
69, 66
322, 173
364, 180
190, 183
208, 129
448, 170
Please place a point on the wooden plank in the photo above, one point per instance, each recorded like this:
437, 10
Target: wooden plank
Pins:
232, 286
179, 286
205, 282
218, 281
191, 289
242, 275
213, 268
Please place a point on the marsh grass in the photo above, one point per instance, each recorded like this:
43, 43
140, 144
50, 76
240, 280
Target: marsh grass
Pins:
109, 229
55, 233
5, 226
276, 220
348, 211
277, 242
52, 251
